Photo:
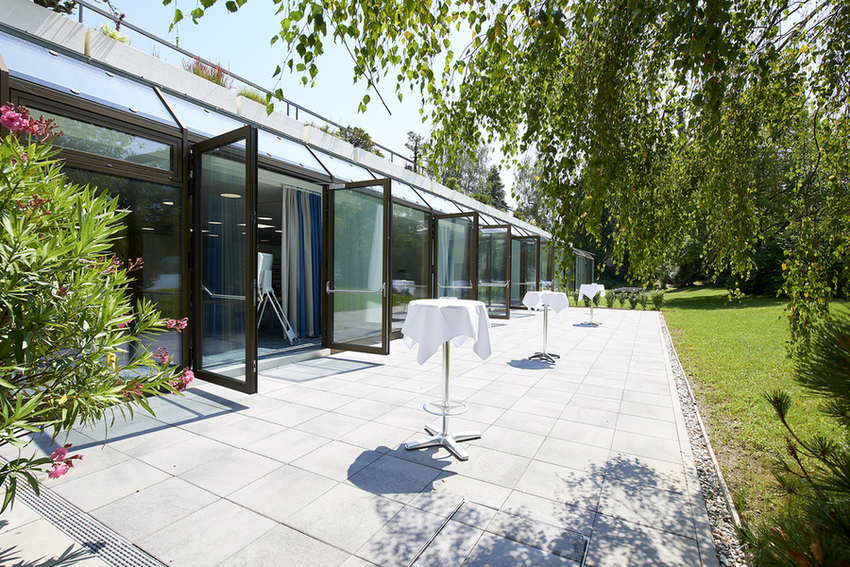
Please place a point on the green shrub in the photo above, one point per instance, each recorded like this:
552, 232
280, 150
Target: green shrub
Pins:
597, 298
622, 298
574, 298
633, 300
252, 94
816, 470
642, 299
610, 297
657, 299
66, 318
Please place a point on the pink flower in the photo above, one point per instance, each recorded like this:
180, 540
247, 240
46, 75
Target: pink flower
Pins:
12, 120
163, 355
182, 381
178, 324
59, 454
58, 470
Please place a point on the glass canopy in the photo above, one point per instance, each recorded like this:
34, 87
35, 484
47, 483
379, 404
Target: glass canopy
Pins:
289, 151
65, 74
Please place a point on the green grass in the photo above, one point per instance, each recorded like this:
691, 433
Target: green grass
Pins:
734, 353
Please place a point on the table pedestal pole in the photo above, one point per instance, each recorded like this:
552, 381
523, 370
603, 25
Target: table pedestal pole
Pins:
445, 408
545, 355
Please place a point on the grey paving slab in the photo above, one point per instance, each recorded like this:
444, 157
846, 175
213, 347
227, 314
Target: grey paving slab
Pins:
480, 499
283, 492
394, 478
337, 460
552, 512
496, 551
243, 432
283, 546
644, 504
153, 508
554, 539
647, 426
645, 446
186, 455
451, 547
584, 433
365, 515
401, 539
574, 487
572, 454
217, 532
617, 543
102, 487
230, 471
288, 445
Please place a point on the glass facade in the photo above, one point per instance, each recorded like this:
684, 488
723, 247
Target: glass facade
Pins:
110, 119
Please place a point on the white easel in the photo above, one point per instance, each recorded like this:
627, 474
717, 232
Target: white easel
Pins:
267, 297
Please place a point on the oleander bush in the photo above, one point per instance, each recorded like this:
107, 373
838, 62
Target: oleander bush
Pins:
66, 318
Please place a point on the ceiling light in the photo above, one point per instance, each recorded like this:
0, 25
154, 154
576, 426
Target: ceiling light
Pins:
265, 218
169, 203
231, 196
214, 222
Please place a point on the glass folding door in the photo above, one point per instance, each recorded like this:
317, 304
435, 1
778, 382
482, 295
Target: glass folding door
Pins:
524, 262
357, 290
494, 269
225, 264
455, 245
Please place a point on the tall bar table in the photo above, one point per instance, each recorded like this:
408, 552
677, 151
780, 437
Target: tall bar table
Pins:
544, 300
434, 322
589, 291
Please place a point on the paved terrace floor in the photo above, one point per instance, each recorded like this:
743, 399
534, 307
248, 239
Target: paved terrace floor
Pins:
589, 452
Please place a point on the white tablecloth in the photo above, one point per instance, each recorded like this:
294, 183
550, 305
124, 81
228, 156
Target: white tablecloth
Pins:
590, 290
555, 299
432, 322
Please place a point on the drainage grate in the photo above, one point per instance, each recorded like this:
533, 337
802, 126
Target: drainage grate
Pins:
85, 530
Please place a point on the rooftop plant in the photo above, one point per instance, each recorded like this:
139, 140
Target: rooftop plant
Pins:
214, 73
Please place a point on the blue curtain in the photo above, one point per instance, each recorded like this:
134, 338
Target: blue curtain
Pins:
302, 296
316, 226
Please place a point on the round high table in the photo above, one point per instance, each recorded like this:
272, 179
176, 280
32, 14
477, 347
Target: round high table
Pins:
589, 291
434, 322
544, 300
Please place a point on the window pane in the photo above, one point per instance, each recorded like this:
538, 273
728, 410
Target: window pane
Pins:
344, 170
106, 142
152, 232
410, 262
454, 262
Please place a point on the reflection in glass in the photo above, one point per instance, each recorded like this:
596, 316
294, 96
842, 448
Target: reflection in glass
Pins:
546, 265
410, 262
151, 206
523, 268
493, 269
358, 233
106, 142
221, 200
454, 261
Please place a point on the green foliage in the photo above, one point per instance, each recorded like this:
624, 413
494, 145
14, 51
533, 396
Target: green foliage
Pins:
596, 298
633, 300
666, 131
359, 138
496, 189
657, 299
815, 470
610, 298
214, 73
60, 6
622, 299
574, 298
252, 94
642, 299
66, 319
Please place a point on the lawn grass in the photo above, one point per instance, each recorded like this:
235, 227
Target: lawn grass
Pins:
734, 353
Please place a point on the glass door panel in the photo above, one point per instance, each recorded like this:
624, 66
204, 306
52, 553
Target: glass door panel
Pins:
524, 275
357, 287
411, 259
494, 269
546, 266
455, 246
224, 233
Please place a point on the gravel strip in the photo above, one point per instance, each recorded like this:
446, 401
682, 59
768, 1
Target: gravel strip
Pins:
722, 515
